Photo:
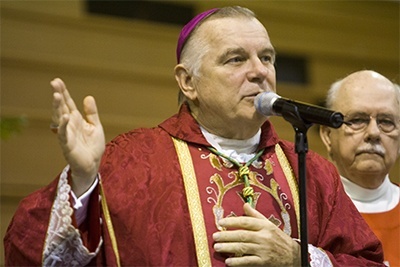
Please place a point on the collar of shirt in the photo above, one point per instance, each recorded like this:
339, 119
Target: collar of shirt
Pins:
240, 150
381, 199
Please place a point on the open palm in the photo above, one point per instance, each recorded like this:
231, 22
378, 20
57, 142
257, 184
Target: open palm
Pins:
81, 139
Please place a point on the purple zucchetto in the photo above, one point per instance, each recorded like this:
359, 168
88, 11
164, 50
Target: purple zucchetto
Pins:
187, 30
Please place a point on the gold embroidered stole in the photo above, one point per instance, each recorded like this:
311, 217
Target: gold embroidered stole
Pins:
291, 180
109, 224
194, 202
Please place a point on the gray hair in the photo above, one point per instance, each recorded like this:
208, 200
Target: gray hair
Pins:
332, 93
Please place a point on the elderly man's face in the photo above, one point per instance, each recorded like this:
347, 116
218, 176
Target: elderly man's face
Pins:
371, 145
237, 66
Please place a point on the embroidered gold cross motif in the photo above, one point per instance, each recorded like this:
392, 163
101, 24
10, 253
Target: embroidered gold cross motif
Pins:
248, 191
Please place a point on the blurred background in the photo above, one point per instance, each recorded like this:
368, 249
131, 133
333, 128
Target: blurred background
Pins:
123, 53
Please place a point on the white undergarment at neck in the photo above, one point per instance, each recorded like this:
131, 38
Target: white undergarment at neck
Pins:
384, 198
240, 150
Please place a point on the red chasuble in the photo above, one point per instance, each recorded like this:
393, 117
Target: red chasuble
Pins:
149, 209
220, 190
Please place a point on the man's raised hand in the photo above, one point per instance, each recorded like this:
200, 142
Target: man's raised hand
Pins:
81, 138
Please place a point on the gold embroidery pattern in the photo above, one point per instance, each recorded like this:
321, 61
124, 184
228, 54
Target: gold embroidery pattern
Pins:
215, 162
254, 180
109, 224
268, 167
294, 189
193, 199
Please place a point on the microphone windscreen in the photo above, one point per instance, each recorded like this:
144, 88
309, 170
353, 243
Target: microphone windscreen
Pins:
264, 103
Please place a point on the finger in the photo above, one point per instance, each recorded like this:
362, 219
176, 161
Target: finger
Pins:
241, 222
57, 108
58, 104
234, 236
57, 85
69, 102
90, 108
249, 211
60, 87
237, 248
248, 260
62, 129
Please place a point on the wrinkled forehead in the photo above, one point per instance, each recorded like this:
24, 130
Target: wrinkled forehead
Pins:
233, 29
249, 24
368, 96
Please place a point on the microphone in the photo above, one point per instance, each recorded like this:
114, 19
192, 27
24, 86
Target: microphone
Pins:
269, 103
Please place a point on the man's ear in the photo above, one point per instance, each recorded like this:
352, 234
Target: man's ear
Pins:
325, 134
185, 82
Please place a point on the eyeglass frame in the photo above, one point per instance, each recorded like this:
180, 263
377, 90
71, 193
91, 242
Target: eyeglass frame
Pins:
390, 118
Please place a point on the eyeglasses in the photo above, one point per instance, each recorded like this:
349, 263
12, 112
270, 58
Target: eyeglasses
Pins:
359, 122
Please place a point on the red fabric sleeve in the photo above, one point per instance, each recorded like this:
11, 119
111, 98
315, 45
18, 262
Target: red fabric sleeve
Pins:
334, 224
26, 233
90, 228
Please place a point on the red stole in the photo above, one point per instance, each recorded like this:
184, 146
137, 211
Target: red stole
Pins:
219, 192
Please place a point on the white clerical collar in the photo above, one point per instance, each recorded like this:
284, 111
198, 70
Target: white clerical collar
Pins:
381, 199
240, 150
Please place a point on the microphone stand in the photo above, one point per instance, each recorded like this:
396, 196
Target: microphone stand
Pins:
291, 114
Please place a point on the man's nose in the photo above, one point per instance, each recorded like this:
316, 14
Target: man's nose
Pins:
258, 70
373, 130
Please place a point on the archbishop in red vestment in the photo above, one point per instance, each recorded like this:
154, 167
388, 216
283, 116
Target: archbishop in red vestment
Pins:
151, 215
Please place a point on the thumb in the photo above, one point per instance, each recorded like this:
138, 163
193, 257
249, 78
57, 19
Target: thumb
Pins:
249, 211
90, 108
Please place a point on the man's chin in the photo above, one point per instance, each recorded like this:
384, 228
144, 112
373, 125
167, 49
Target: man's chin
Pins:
371, 166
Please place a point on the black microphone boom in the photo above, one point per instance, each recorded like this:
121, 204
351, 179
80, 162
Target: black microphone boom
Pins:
269, 103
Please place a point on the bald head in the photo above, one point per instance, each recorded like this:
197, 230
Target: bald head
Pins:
363, 82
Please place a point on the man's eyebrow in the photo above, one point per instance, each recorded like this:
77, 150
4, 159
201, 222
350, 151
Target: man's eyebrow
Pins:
232, 51
239, 50
356, 113
269, 50
362, 113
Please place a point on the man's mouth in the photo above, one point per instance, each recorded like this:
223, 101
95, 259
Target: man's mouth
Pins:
371, 151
